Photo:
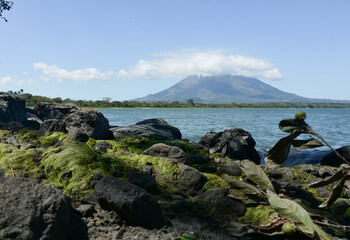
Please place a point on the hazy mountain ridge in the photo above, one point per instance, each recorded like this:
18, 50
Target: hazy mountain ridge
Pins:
225, 89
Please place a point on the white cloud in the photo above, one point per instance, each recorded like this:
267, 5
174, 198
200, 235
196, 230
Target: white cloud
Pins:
60, 74
183, 64
9, 81
172, 65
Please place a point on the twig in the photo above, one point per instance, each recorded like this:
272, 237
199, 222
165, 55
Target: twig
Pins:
332, 225
13, 173
324, 141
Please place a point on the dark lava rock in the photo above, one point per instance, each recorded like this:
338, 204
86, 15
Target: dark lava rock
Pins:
37, 155
218, 204
163, 150
29, 210
67, 175
143, 180
333, 160
190, 179
86, 210
53, 110
50, 126
275, 174
132, 203
156, 127
88, 121
295, 191
233, 170
102, 146
233, 143
197, 159
78, 135
12, 109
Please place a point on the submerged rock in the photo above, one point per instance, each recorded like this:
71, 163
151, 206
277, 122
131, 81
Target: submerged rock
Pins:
132, 203
234, 143
29, 210
151, 127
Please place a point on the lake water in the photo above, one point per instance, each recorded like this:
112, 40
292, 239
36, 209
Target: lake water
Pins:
332, 124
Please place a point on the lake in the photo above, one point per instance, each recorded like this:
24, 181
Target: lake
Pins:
332, 124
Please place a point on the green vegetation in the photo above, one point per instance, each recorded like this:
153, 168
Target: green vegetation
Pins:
190, 103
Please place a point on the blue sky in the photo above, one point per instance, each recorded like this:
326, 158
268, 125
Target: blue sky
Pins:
85, 49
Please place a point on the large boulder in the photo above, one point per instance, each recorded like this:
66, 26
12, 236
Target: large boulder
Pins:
333, 160
163, 150
29, 210
87, 121
151, 127
132, 203
50, 126
234, 143
12, 109
53, 110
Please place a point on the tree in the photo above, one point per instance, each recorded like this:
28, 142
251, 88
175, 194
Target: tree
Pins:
5, 6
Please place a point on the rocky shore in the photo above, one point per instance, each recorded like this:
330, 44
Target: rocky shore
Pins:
65, 173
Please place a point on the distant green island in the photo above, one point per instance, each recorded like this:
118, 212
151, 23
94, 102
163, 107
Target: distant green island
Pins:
31, 100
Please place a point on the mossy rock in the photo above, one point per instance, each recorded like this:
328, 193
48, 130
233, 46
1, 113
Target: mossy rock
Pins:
259, 215
51, 139
165, 167
215, 181
82, 161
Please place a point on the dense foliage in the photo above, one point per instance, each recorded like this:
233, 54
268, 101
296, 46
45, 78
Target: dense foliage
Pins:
31, 100
5, 6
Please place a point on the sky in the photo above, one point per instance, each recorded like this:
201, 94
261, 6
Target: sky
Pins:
89, 49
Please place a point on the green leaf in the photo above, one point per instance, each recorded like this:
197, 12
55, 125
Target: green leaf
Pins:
306, 144
336, 192
279, 153
337, 176
291, 210
291, 125
245, 187
322, 234
237, 229
256, 174
186, 238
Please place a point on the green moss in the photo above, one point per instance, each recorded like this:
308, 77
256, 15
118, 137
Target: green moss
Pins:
187, 147
165, 168
50, 140
215, 181
25, 135
82, 161
19, 160
261, 214
5, 133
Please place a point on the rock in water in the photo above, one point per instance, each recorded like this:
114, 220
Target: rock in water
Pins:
333, 160
29, 210
88, 121
132, 203
234, 143
151, 127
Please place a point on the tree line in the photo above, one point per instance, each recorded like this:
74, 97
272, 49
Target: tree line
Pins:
31, 100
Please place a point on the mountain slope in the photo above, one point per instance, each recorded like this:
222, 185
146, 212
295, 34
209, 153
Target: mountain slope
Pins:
222, 89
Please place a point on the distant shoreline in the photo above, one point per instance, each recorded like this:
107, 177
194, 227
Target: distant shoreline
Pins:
31, 100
